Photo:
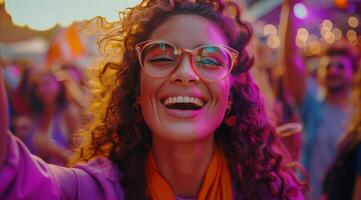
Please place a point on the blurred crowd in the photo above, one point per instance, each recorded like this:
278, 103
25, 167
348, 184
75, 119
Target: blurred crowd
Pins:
312, 100
45, 107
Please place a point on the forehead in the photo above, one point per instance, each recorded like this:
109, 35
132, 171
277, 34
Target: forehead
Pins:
189, 31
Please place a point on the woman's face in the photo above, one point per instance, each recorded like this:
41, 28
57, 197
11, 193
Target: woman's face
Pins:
183, 121
48, 90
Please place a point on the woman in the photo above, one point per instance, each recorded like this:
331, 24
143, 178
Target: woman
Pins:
183, 119
343, 179
53, 121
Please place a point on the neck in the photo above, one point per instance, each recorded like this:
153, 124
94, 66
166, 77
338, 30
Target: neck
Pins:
183, 165
340, 98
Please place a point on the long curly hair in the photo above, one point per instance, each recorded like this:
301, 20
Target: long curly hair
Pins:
118, 131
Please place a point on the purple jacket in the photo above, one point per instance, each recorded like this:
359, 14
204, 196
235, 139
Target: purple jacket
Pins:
25, 176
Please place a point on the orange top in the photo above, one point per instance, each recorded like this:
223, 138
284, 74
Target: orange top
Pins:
216, 183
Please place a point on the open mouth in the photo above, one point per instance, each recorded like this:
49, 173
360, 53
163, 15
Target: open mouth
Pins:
183, 103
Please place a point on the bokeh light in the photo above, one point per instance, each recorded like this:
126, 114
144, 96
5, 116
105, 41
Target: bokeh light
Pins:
338, 33
302, 34
314, 45
351, 36
300, 11
327, 24
273, 41
340, 3
269, 29
352, 22
329, 37
300, 43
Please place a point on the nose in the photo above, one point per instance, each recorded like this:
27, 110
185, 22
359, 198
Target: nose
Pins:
333, 69
185, 73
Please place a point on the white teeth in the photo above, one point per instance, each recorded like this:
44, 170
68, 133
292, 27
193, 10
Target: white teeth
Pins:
183, 99
186, 99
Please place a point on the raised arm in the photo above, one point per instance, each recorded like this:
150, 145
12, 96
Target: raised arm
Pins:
290, 55
4, 119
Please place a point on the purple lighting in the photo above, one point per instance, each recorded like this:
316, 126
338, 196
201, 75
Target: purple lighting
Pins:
351, 8
300, 10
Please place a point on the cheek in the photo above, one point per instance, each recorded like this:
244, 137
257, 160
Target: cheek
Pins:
221, 95
224, 90
148, 95
349, 73
147, 89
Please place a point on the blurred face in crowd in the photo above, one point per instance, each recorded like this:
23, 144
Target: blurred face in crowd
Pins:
48, 89
337, 74
21, 125
182, 106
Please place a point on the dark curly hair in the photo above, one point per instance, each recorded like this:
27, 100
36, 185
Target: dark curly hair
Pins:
118, 131
35, 102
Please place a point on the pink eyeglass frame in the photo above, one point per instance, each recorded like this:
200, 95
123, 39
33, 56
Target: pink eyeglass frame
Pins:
192, 52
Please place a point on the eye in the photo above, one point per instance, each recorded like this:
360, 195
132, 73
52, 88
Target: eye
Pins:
160, 59
212, 57
209, 62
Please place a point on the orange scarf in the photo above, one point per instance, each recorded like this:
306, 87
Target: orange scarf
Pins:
216, 183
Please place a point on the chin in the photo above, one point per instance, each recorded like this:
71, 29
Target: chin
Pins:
184, 132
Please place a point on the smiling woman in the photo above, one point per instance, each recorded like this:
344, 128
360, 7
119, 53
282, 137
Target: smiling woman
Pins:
176, 115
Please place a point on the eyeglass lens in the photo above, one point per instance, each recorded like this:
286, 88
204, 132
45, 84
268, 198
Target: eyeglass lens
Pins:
160, 59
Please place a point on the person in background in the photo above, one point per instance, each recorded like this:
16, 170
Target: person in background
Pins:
343, 179
52, 121
20, 114
279, 107
323, 117
176, 116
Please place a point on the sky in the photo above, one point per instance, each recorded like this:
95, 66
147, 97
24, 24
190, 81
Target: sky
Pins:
45, 14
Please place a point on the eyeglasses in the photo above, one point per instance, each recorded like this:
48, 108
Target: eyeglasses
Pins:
211, 62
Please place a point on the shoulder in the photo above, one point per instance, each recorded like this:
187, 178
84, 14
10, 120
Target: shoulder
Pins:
101, 176
100, 167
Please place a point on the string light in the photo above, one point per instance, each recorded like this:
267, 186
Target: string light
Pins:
269, 29
327, 24
352, 22
302, 34
314, 45
300, 43
337, 33
273, 41
351, 36
329, 37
